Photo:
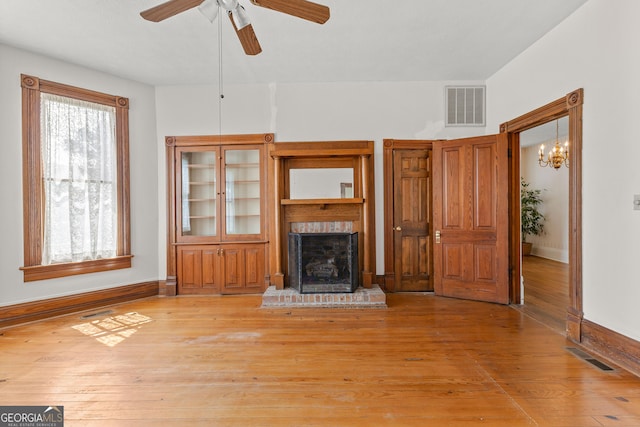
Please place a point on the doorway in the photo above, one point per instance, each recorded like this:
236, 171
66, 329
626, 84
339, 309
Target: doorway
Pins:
446, 217
408, 216
545, 281
570, 106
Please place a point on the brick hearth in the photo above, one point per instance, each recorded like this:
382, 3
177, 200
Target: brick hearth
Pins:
288, 297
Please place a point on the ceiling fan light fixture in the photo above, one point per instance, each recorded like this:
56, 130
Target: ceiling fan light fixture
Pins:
209, 8
240, 17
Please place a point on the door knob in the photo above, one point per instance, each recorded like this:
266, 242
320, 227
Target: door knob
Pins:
398, 228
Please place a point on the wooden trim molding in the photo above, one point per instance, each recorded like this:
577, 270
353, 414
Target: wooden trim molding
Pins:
569, 105
38, 310
41, 272
284, 156
616, 347
33, 192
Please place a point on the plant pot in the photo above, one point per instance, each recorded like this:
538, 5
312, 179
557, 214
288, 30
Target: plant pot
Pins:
526, 248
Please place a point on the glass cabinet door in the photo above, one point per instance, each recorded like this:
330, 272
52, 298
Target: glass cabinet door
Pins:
243, 204
197, 193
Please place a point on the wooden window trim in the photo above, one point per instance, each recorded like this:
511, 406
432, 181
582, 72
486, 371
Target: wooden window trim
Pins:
32, 188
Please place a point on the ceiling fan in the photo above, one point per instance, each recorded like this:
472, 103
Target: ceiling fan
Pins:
239, 19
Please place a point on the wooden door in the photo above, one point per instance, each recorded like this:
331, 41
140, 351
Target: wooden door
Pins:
470, 218
413, 265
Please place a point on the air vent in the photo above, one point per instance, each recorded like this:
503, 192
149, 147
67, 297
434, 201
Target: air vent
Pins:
465, 105
99, 313
586, 356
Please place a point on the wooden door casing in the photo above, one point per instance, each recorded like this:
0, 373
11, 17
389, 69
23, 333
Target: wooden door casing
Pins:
470, 187
413, 265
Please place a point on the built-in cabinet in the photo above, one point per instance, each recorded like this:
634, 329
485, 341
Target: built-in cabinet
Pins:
217, 223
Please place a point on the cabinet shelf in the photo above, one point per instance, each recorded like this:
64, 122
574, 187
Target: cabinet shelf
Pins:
201, 166
243, 182
242, 165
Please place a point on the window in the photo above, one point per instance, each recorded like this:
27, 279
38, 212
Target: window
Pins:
75, 180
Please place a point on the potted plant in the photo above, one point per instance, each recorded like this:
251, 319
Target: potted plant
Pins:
532, 220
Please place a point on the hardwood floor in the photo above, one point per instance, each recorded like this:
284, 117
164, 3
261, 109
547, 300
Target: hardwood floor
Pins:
546, 291
224, 361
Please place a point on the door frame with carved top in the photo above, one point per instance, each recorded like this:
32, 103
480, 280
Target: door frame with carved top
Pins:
571, 106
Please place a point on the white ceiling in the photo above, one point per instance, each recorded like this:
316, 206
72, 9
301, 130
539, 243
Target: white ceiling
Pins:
364, 40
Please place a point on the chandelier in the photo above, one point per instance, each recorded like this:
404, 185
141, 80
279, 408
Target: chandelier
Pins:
557, 155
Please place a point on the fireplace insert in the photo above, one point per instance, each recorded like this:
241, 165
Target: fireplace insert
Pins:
323, 262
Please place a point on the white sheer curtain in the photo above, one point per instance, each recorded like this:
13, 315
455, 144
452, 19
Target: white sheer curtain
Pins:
186, 180
79, 180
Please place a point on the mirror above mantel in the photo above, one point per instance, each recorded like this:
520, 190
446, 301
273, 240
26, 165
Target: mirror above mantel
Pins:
321, 178
321, 183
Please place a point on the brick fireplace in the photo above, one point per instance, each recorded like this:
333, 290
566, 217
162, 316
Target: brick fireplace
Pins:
316, 211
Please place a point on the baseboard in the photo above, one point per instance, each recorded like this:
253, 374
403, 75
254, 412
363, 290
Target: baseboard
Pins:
616, 347
554, 254
37, 310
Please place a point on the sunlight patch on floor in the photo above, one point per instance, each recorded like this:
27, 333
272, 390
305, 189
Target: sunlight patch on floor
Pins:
113, 330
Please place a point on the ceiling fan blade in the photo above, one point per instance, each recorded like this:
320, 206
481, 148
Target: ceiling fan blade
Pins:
247, 37
168, 9
300, 8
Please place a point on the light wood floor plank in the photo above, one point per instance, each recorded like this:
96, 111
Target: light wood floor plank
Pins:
546, 291
224, 361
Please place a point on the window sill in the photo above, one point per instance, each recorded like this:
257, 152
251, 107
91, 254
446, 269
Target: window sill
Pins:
43, 272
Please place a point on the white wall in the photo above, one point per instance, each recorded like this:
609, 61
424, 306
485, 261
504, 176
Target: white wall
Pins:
554, 186
595, 48
144, 200
309, 112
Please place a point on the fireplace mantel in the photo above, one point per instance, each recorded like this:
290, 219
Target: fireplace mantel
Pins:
357, 210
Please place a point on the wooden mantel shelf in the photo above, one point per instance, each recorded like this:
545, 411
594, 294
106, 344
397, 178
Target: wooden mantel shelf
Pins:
321, 149
357, 201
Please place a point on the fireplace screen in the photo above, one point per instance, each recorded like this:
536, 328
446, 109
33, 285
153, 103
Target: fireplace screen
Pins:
323, 262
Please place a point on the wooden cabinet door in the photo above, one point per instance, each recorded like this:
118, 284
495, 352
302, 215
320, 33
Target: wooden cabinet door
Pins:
189, 269
242, 186
470, 216
198, 270
197, 192
243, 268
211, 269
